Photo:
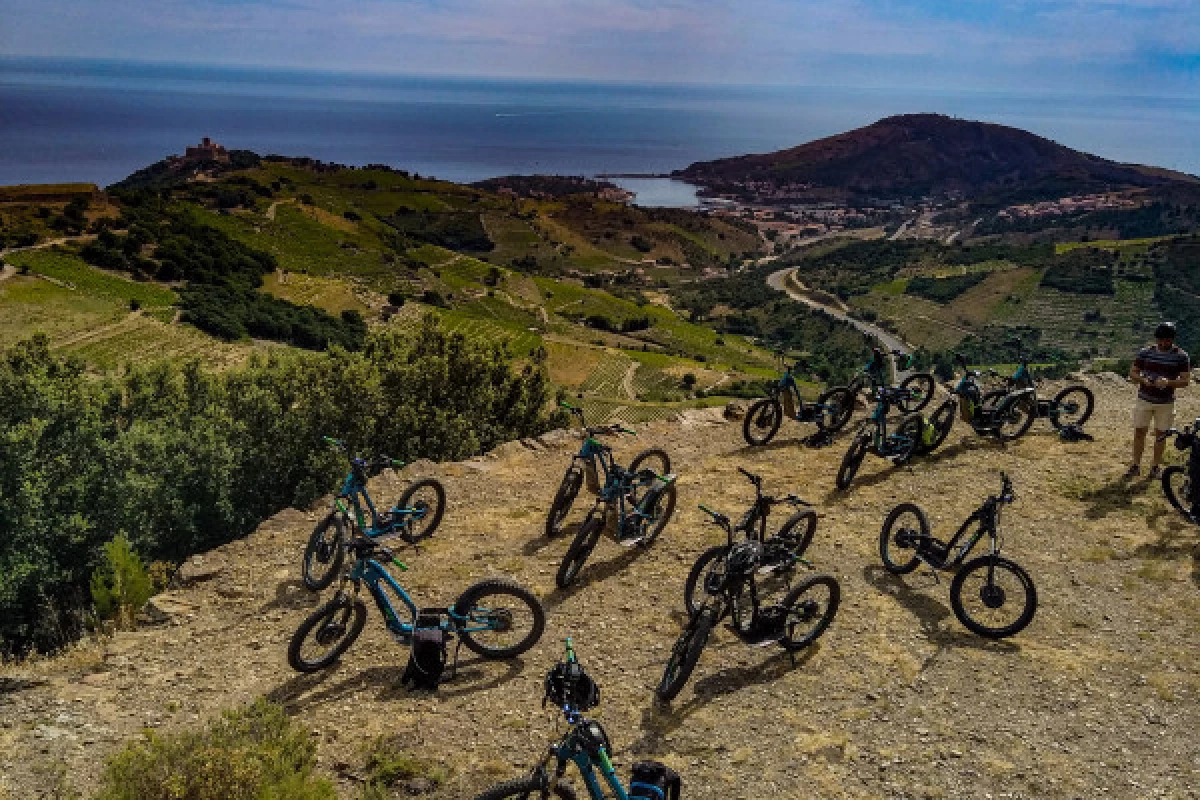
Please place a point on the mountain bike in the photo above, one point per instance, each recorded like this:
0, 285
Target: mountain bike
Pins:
873, 436
586, 465
992, 596
643, 502
586, 746
830, 413
919, 387
495, 618
1181, 484
731, 589
1003, 413
414, 517
780, 551
1071, 407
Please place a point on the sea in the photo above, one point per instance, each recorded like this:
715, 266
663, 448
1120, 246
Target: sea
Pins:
98, 121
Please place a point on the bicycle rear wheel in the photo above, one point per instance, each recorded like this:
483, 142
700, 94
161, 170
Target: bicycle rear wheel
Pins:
568, 490
1072, 406
427, 499
836, 407
852, 460
920, 386
1177, 486
694, 592
324, 554
685, 654
577, 554
762, 421
333, 628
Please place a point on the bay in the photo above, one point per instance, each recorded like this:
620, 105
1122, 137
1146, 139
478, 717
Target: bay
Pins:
98, 121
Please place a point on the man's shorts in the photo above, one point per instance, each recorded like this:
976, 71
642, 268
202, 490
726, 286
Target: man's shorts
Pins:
1163, 414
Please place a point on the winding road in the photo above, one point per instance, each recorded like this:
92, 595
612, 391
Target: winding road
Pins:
779, 281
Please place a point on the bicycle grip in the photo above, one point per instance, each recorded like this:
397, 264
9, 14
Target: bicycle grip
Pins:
333, 441
627, 430
708, 510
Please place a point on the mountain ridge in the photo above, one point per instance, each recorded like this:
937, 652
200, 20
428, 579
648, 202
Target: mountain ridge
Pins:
926, 154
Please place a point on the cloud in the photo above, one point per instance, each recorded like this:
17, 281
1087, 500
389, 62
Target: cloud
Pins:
1014, 43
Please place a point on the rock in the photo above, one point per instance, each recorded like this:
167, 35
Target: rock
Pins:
701, 416
196, 570
736, 409
164, 607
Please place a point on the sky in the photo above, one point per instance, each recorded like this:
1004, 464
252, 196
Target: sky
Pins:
1136, 47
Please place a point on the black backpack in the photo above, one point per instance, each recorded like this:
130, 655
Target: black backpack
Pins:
654, 781
428, 659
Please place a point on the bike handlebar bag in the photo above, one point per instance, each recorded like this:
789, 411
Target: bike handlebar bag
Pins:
429, 654
652, 780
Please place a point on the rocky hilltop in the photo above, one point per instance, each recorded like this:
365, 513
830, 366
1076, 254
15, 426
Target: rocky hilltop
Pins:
1098, 697
915, 155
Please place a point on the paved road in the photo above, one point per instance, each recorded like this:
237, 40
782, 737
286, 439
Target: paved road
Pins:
778, 281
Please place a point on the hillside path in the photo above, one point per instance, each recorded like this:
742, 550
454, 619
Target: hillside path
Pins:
1100, 696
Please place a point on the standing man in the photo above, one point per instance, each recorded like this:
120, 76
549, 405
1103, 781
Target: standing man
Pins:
1158, 370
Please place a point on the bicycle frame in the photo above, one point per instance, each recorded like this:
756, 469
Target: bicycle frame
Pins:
376, 577
355, 487
571, 751
988, 517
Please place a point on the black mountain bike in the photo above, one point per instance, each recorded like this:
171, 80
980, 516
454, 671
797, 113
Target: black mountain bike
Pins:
586, 467
731, 589
918, 387
780, 551
873, 436
1181, 484
830, 412
1071, 407
1003, 413
990, 595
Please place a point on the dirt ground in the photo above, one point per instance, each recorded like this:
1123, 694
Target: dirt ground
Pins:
1098, 697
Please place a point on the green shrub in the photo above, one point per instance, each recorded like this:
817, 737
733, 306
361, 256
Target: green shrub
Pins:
256, 753
181, 459
387, 767
120, 585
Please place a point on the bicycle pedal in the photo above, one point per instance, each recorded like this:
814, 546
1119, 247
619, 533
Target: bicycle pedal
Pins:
631, 541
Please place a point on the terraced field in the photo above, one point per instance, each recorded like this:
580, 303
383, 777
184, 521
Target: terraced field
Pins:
1126, 318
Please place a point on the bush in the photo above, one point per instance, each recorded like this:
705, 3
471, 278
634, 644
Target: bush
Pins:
179, 459
256, 753
387, 767
120, 585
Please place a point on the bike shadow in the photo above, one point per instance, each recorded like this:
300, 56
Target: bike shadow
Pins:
962, 446
1116, 495
660, 720
594, 572
302, 693
813, 441
1176, 540
292, 594
931, 613
835, 494
542, 541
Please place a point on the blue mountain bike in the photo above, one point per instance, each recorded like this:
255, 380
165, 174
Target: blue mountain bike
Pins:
414, 517
495, 618
587, 746
586, 466
873, 436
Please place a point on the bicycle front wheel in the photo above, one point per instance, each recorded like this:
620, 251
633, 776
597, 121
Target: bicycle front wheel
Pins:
1072, 406
940, 421
694, 591
685, 654
499, 618
808, 610
529, 788
324, 554
836, 406
798, 531
904, 528
993, 597
1012, 423
326, 634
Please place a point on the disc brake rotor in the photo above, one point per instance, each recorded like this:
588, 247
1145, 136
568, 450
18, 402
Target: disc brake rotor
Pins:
992, 596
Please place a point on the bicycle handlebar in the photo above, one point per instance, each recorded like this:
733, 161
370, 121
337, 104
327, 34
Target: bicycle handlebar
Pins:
756, 480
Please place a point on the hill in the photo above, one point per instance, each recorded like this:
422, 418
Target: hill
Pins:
1098, 696
910, 156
